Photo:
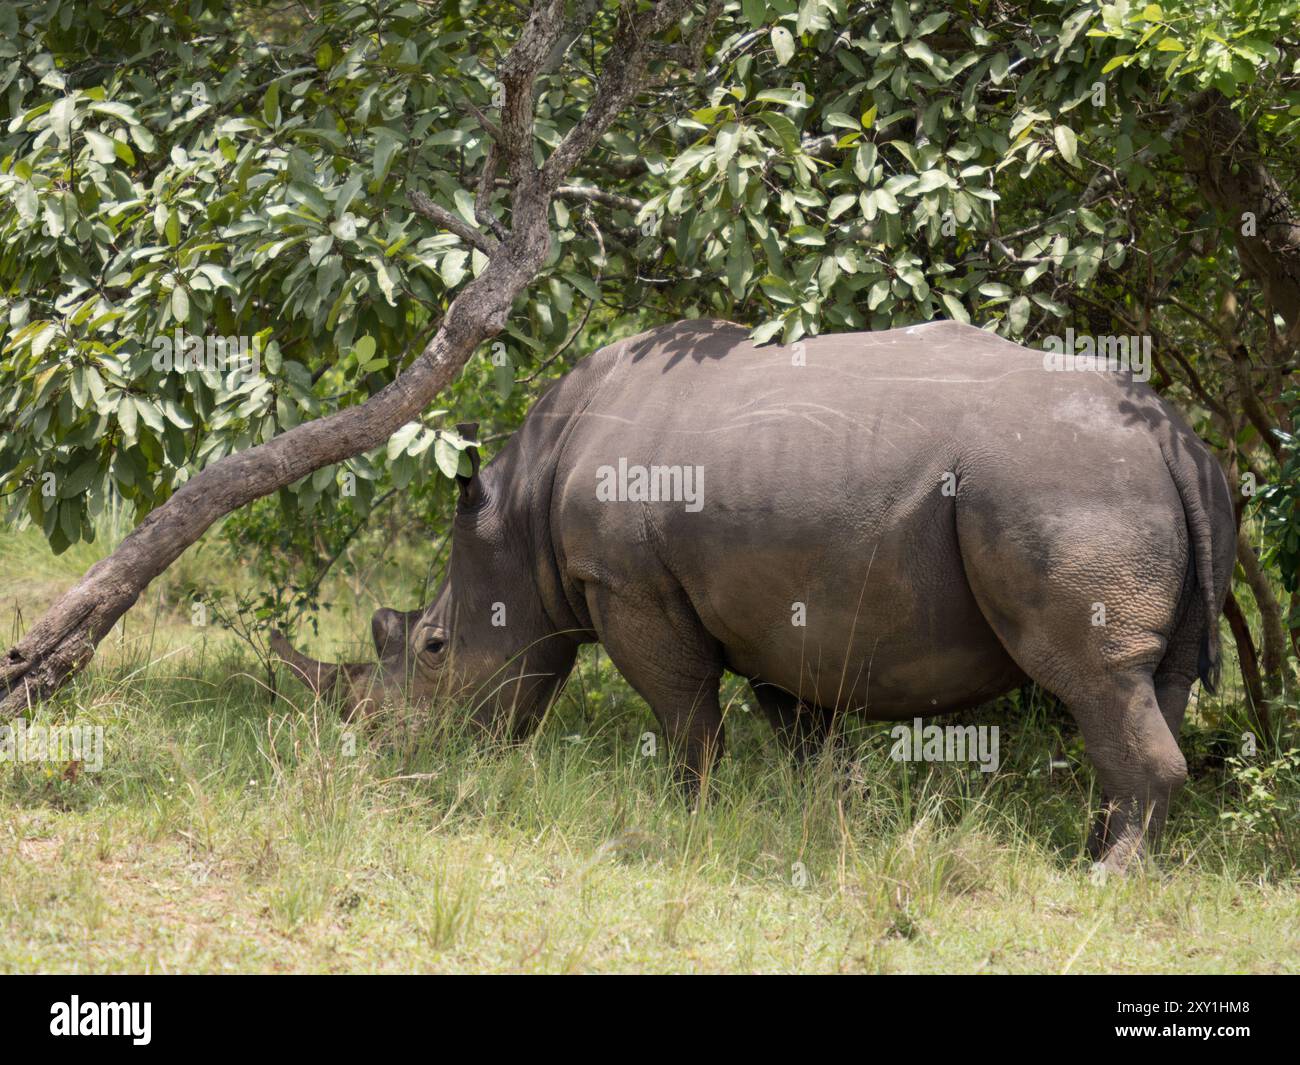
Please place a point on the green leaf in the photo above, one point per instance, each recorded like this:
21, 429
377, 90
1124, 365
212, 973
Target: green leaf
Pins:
841, 204
61, 115
387, 280
446, 456
956, 309
785, 97
397, 443
364, 349
778, 288
929, 182
271, 104
102, 149
387, 146
79, 479
503, 378
863, 161
902, 20
725, 144
782, 44
786, 131
1067, 144
809, 236
1018, 314
126, 418
755, 12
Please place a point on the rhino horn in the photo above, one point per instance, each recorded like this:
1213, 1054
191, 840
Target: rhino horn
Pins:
320, 677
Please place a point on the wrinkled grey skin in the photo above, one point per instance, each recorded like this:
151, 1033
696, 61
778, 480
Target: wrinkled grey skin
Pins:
824, 473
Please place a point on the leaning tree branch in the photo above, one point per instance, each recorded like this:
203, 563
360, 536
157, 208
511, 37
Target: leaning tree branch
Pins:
518, 73
65, 638
1248, 659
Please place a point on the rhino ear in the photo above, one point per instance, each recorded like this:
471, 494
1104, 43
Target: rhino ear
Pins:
391, 629
471, 490
386, 629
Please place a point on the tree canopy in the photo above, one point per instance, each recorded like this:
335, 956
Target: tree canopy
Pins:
322, 179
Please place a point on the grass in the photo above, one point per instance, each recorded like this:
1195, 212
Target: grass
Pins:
236, 830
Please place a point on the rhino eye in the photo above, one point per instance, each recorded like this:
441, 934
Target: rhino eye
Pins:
435, 645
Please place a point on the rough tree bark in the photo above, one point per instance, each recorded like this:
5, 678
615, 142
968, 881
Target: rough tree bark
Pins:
1270, 612
1248, 658
65, 638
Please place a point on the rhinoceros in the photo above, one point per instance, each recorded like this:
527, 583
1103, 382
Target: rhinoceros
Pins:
896, 523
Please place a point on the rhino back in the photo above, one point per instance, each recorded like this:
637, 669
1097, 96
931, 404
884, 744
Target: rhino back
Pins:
820, 545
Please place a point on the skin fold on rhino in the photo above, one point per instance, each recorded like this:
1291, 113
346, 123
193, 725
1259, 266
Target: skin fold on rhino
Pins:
898, 524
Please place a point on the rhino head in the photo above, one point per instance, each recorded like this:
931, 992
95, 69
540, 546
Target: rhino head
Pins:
485, 643
361, 688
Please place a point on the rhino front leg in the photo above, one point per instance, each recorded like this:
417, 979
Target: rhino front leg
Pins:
664, 652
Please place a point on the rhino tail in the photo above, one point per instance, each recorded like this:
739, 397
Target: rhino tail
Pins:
1200, 529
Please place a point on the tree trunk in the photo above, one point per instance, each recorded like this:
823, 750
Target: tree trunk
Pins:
1293, 623
1249, 662
1270, 617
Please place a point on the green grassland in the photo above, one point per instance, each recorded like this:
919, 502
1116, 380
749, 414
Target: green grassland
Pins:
237, 825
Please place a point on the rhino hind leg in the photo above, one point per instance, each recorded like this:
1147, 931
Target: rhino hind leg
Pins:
802, 729
1172, 684
1126, 724
1139, 765
1090, 605
662, 649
